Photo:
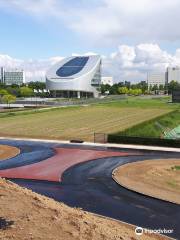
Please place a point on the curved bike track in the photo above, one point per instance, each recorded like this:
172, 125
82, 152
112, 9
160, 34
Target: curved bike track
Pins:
89, 185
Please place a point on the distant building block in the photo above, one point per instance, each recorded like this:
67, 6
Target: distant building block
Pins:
107, 80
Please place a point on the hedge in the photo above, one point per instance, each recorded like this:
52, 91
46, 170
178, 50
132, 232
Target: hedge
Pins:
115, 138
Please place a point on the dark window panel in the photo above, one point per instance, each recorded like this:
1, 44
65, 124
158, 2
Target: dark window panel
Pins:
72, 67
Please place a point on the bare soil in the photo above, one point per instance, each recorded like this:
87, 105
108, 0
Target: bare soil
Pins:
7, 152
26, 215
156, 178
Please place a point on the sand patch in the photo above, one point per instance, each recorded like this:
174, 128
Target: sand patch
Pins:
156, 178
7, 152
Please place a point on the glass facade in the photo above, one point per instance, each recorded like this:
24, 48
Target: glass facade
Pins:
72, 67
71, 94
96, 81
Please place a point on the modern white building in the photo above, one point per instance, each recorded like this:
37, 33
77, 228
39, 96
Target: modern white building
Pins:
75, 77
107, 80
10, 77
173, 74
156, 79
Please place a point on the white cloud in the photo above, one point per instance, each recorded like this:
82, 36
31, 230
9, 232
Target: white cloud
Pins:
132, 63
108, 21
10, 62
140, 20
35, 70
103, 21
129, 63
37, 8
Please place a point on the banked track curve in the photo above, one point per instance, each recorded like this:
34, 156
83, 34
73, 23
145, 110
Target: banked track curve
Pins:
89, 185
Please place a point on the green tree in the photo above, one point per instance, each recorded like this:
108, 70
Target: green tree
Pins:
173, 85
15, 90
123, 90
143, 86
8, 99
150, 88
161, 87
155, 87
114, 89
14, 85
2, 93
37, 85
26, 92
2, 85
104, 88
136, 91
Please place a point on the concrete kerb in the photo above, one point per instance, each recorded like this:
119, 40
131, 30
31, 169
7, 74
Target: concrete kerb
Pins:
107, 145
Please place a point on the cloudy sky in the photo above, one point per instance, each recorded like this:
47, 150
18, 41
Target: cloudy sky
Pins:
133, 37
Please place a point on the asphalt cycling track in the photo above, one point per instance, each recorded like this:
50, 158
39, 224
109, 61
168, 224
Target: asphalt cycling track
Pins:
81, 176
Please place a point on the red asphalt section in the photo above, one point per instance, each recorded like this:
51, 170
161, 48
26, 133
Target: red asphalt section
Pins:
52, 168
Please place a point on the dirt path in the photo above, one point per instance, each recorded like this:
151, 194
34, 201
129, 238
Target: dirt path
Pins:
25, 215
157, 178
7, 152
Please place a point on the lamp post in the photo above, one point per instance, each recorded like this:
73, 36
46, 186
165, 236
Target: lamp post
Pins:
35, 91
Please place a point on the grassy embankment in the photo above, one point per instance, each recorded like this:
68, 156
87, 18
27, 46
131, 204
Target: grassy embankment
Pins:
155, 127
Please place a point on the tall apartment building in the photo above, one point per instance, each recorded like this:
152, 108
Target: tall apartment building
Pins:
12, 76
173, 74
156, 79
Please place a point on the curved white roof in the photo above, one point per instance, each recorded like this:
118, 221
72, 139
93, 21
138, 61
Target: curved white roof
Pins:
91, 62
81, 73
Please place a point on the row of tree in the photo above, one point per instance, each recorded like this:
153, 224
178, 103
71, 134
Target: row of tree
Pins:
130, 91
125, 88
139, 88
8, 94
29, 90
7, 98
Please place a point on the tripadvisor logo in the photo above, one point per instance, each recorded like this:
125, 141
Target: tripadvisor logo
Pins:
139, 231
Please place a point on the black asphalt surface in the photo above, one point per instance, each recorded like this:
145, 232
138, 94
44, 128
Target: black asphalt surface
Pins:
90, 186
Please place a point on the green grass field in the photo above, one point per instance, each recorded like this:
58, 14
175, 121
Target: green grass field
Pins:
82, 122
145, 102
155, 127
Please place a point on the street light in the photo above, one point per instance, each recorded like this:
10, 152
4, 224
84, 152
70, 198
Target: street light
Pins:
35, 91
